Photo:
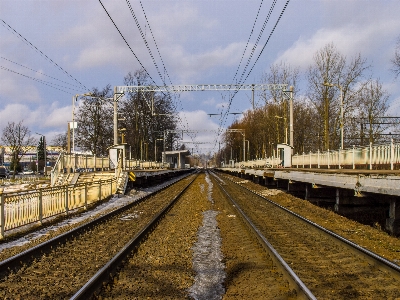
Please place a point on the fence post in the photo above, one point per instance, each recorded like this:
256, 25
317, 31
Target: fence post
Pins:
310, 159
40, 206
370, 156
391, 154
100, 189
303, 160
328, 159
85, 195
318, 159
66, 199
339, 158
2, 216
354, 150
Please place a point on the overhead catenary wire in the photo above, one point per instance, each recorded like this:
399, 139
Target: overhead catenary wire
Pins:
258, 40
223, 121
36, 79
223, 117
38, 72
248, 41
154, 60
12, 30
127, 44
145, 40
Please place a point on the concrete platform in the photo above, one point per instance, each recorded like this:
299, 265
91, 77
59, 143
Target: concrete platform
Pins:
353, 192
372, 181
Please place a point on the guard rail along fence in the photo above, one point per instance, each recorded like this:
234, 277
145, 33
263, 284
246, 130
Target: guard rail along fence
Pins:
73, 162
22, 208
380, 156
132, 164
66, 163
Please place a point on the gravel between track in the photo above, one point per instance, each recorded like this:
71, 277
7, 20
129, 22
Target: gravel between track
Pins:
328, 269
62, 272
162, 266
249, 274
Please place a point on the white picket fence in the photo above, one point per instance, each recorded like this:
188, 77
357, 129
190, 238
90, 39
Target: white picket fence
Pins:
384, 156
22, 208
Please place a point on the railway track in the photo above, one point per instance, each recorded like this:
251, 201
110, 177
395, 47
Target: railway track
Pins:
166, 264
328, 264
189, 240
58, 268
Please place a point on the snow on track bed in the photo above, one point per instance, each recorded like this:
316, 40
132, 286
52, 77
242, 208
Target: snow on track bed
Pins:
163, 267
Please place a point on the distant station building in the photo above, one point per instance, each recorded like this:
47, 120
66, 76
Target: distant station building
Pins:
30, 156
176, 159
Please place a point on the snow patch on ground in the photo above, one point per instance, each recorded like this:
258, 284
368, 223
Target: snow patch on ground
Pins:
207, 257
207, 261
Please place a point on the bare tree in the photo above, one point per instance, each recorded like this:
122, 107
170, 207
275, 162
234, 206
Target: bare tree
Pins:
95, 122
18, 138
331, 67
60, 140
275, 113
372, 106
396, 59
147, 115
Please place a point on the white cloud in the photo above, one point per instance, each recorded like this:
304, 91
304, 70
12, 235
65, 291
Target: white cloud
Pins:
350, 40
58, 117
41, 119
16, 113
12, 90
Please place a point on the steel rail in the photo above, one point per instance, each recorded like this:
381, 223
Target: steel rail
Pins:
302, 291
15, 262
104, 275
372, 257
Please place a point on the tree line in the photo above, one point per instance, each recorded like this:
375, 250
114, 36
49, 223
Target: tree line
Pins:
143, 118
334, 83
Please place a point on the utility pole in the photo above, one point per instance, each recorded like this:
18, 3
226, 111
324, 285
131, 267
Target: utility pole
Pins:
115, 99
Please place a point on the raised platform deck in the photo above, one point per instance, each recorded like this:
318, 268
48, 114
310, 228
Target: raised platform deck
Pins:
371, 181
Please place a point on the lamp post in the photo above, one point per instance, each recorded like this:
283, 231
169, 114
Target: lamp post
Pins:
74, 99
341, 109
278, 117
155, 149
248, 149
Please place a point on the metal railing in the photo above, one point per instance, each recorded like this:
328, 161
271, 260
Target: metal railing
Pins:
72, 162
382, 156
22, 208
133, 164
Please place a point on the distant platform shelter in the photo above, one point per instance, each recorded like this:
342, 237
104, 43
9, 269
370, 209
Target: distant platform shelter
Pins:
176, 159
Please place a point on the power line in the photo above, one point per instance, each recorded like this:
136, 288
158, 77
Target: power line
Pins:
258, 39
35, 79
179, 103
126, 42
155, 43
38, 72
12, 30
248, 74
248, 40
144, 40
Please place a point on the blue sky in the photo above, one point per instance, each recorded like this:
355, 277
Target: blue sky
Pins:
200, 42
